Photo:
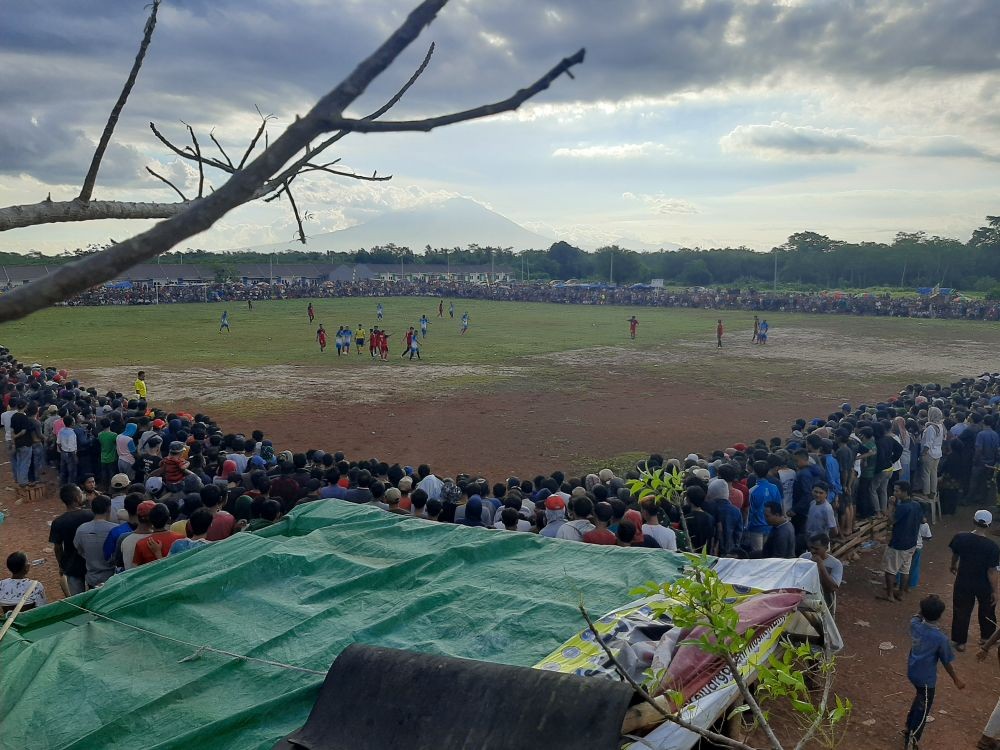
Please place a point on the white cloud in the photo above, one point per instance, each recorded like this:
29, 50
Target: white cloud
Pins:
615, 151
663, 204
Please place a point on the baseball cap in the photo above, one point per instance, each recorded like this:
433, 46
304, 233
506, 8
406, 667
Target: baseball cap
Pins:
984, 517
144, 509
701, 474
159, 424
392, 494
554, 502
406, 483
119, 481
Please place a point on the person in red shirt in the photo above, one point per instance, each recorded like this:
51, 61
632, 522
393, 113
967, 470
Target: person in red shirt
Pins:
632, 325
223, 523
372, 341
602, 519
718, 333
383, 346
320, 335
157, 544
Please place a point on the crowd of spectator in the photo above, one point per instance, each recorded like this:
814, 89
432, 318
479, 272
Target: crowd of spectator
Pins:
886, 305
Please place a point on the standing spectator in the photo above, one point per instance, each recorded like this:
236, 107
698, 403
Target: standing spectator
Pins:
930, 452
126, 450
109, 453
831, 570
651, 526
602, 519
159, 542
61, 536
66, 445
574, 530
780, 542
21, 427
984, 458
974, 562
763, 492
89, 542
905, 520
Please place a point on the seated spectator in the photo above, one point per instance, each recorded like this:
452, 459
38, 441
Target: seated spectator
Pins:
12, 589
831, 570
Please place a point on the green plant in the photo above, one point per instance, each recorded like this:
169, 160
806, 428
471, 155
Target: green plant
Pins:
701, 600
663, 486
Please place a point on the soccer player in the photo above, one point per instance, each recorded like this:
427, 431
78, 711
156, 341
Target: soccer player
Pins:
249, 303
339, 340
440, 308
409, 342
633, 323
451, 309
414, 346
423, 325
384, 345
465, 322
373, 339
379, 311
756, 330
311, 312
224, 322
321, 337
718, 334
140, 385
359, 338
762, 334
347, 339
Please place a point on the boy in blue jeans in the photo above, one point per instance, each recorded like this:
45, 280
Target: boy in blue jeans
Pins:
929, 647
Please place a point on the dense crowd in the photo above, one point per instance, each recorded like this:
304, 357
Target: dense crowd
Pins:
886, 305
140, 484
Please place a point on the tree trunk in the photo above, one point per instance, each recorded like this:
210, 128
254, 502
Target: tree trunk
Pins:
52, 212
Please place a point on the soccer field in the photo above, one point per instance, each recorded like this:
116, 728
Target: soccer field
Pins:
529, 386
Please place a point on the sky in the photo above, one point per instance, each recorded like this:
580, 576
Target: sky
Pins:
692, 122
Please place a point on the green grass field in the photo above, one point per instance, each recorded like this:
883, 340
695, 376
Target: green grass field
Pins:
278, 332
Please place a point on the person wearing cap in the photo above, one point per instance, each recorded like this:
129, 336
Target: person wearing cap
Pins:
555, 516
119, 483
974, 562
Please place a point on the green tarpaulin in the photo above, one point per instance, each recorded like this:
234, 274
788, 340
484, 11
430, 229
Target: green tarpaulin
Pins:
296, 594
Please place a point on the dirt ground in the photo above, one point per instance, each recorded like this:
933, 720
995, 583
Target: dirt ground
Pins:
573, 410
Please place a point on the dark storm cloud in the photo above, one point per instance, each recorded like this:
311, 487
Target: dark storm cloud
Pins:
64, 60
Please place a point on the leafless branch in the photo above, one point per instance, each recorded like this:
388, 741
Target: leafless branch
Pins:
718, 739
242, 186
164, 179
821, 711
201, 164
253, 141
353, 175
109, 128
312, 152
295, 212
188, 153
57, 212
507, 105
211, 134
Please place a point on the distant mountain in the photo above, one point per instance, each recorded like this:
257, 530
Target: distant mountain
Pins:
457, 222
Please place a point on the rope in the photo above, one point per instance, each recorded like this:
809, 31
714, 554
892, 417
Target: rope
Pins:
199, 650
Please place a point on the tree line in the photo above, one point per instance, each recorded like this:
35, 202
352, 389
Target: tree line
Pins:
805, 259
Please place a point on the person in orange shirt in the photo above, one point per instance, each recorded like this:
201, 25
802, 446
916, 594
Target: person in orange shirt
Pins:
157, 544
718, 333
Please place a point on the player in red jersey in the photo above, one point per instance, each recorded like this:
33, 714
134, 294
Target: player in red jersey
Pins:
320, 335
633, 323
310, 312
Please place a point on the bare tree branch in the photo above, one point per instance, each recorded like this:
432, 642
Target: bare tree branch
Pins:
211, 134
188, 153
57, 212
821, 711
507, 105
164, 179
295, 211
201, 164
253, 141
95, 164
241, 187
198, 216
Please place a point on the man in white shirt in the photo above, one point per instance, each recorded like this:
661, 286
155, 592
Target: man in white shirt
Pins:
652, 528
8, 434
429, 483
66, 445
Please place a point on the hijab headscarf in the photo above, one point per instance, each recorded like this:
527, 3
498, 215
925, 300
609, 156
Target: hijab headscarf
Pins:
635, 518
934, 415
899, 425
228, 467
473, 512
